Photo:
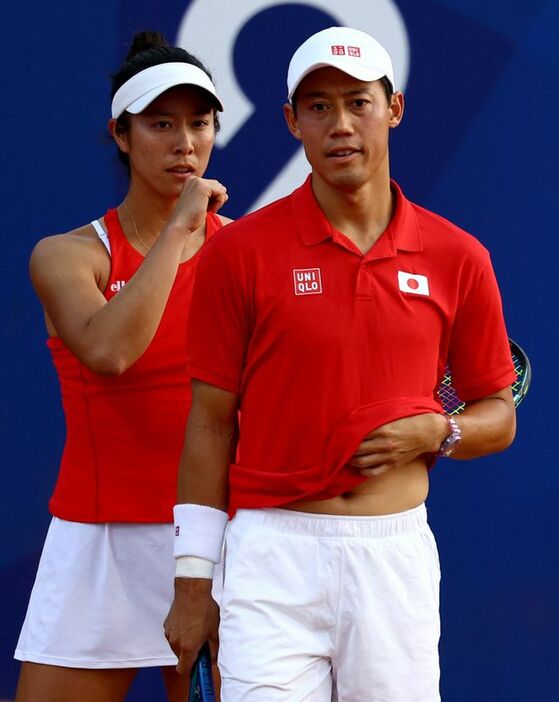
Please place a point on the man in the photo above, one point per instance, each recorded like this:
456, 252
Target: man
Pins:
328, 318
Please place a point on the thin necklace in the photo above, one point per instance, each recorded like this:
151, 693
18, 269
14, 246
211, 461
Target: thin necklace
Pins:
146, 247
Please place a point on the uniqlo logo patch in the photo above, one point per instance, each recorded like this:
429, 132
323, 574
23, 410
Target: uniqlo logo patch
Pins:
307, 281
413, 283
354, 51
338, 50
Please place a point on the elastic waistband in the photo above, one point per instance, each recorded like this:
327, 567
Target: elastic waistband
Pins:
332, 525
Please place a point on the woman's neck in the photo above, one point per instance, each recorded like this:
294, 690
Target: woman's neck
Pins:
148, 213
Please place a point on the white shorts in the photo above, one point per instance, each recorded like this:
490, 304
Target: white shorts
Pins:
320, 608
100, 597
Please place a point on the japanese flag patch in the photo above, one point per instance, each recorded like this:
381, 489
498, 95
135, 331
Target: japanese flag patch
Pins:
413, 283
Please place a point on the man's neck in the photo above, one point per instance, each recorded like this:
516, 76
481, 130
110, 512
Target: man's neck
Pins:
362, 213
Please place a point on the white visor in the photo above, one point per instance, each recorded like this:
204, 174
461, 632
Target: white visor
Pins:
147, 85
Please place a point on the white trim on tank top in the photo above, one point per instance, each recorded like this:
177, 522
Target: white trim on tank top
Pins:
102, 234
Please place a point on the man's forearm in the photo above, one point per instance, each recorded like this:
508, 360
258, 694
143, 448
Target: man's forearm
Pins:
205, 463
209, 446
487, 426
208, 450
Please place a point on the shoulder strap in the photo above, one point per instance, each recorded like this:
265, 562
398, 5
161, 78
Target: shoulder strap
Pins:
213, 223
102, 234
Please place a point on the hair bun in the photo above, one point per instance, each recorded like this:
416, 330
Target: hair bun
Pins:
143, 41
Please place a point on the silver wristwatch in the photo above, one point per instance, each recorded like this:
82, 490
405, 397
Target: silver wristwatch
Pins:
451, 442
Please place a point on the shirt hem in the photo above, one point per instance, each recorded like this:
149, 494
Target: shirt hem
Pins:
488, 388
211, 378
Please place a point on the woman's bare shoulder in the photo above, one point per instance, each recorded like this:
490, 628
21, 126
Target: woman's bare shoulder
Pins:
82, 239
77, 250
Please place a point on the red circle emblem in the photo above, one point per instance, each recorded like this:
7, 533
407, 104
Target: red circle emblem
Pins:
412, 283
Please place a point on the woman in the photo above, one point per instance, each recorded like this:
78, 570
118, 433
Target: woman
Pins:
116, 295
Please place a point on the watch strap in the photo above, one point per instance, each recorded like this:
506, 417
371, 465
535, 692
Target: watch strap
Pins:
451, 442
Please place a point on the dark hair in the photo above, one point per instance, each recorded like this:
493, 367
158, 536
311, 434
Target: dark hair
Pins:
386, 84
388, 89
149, 48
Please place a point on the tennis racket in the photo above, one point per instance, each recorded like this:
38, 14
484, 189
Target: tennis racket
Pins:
452, 404
201, 680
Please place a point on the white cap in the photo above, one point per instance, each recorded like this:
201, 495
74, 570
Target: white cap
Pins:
143, 88
349, 50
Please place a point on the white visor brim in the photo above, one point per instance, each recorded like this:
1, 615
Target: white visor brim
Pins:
143, 88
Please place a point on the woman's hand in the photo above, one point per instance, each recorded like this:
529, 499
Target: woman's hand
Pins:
199, 196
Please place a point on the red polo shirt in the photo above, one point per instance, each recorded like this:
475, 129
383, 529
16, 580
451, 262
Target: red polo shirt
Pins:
323, 344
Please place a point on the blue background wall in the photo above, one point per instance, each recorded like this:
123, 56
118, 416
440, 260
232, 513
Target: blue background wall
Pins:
479, 144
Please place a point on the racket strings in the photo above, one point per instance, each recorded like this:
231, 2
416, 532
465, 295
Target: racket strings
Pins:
448, 396
519, 368
451, 402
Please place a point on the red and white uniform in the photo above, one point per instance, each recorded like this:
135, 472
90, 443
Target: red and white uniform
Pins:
124, 435
323, 344
105, 580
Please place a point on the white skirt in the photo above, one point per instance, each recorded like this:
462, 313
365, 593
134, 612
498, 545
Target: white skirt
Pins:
100, 597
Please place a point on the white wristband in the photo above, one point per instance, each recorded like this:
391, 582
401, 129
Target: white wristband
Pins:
192, 567
199, 531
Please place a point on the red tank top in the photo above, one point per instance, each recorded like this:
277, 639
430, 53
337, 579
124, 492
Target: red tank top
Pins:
124, 434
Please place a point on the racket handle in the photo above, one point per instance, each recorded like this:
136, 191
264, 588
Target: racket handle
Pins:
201, 679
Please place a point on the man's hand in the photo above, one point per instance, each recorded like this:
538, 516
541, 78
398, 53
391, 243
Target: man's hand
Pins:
399, 443
192, 620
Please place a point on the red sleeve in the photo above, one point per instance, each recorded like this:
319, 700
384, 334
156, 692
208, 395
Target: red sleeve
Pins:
219, 321
479, 352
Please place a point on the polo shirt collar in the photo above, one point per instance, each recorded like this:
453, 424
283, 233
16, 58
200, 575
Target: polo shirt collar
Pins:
314, 227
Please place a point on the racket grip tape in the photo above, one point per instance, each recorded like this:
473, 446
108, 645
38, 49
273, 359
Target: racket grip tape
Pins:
201, 679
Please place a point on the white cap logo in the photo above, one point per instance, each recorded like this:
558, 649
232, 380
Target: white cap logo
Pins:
339, 50
413, 283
